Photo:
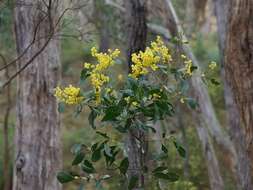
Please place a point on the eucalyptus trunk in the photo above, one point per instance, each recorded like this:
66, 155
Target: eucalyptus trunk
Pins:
205, 115
238, 64
243, 171
37, 138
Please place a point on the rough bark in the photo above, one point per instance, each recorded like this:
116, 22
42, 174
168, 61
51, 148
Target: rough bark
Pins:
37, 137
243, 171
136, 140
239, 62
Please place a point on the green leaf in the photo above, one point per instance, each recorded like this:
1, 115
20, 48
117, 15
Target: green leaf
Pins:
107, 150
103, 134
78, 158
96, 155
124, 166
111, 113
180, 149
192, 103
94, 147
84, 74
170, 176
92, 117
61, 107
193, 68
215, 82
88, 167
164, 149
159, 169
65, 177
76, 148
132, 182
105, 177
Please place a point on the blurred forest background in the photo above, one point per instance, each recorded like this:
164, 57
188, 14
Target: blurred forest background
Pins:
215, 159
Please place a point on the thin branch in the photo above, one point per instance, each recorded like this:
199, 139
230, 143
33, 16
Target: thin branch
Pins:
38, 52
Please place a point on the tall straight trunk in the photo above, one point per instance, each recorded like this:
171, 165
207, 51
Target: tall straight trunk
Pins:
205, 115
239, 74
136, 140
215, 179
37, 137
200, 91
103, 28
243, 171
239, 61
6, 149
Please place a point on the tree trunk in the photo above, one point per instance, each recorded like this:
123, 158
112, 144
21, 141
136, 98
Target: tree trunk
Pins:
243, 163
215, 179
6, 152
37, 138
137, 34
205, 115
200, 91
239, 61
102, 25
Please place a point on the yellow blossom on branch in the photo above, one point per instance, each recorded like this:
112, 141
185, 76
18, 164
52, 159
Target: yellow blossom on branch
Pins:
148, 60
188, 65
97, 76
212, 65
69, 95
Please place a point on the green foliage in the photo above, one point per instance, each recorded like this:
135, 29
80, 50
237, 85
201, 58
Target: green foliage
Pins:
136, 104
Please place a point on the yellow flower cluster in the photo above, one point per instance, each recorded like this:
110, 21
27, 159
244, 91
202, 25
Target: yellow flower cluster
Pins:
188, 65
212, 65
144, 61
97, 77
69, 95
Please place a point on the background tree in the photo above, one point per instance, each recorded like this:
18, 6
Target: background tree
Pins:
37, 139
136, 144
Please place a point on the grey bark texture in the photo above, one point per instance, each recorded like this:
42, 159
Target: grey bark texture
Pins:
243, 171
206, 110
205, 115
136, 40
215, 179
37, 137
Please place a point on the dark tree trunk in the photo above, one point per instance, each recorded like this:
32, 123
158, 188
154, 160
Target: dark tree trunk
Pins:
136, 27
102, 25
243, 171
37, 138
137, 34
